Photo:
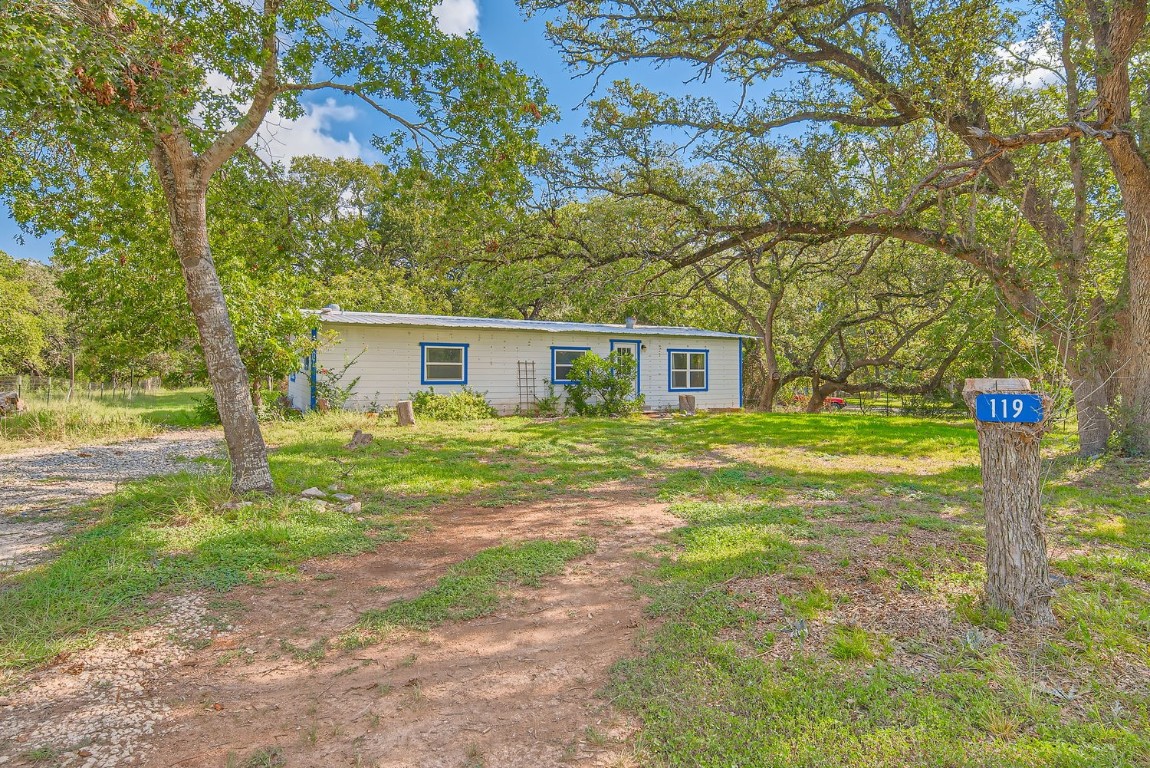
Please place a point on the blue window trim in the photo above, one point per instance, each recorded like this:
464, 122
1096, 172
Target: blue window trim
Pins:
312, 396
423, 345
638, 362
564, 382
706, 371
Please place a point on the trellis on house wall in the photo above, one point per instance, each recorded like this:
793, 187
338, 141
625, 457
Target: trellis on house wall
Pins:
528, 397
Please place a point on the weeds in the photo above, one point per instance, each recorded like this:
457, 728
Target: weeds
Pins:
856, 644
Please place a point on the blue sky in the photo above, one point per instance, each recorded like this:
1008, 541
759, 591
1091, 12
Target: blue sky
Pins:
338, 128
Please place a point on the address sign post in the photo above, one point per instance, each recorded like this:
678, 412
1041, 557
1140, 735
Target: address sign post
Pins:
1011, 418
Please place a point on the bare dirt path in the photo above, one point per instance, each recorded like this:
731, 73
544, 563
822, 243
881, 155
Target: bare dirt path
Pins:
271, 686
38, 485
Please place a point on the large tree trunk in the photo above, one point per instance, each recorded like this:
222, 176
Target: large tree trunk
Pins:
1091, 402
770, 356
815, 402
186, 196
1119, 29
1133, 364
771, 375
1017, 570
769, 391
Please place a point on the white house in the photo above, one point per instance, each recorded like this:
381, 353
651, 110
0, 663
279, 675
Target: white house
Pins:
511, 361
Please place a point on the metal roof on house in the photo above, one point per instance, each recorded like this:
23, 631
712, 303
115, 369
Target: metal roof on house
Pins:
549, 326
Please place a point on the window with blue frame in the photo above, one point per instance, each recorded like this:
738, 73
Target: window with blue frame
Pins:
562, 358
443, 363
687, 370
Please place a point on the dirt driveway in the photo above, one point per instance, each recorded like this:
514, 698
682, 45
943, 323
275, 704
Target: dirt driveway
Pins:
256, 677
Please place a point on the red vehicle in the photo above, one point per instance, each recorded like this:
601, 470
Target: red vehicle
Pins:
829, 403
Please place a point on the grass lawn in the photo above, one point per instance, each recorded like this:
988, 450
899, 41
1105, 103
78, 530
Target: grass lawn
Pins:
98, 419
818, 606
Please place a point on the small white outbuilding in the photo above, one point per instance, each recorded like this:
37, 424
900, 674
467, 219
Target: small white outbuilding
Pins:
512, 361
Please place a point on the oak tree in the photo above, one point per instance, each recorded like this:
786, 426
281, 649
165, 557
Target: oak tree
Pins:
178, 87
929, 123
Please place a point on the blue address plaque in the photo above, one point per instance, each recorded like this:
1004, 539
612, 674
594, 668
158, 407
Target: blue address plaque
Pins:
1006, 407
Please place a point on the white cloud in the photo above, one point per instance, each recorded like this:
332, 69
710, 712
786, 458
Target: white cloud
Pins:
457, 17
1032, 63
310, 134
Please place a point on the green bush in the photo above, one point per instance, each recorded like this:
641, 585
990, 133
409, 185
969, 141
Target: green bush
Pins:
271, 408
329, 384
603, 386
464, 405
206, 410
549, 405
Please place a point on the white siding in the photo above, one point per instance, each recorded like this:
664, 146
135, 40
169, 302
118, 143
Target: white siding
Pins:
299, 390
389, 366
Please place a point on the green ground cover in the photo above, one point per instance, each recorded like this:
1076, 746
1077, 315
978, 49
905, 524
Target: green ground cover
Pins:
819, 605
473, 588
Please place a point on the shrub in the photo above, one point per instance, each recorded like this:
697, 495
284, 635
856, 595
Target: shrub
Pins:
329, 384
206, 410
270, 408
603, 386
1128, 437
464, 405
549, 405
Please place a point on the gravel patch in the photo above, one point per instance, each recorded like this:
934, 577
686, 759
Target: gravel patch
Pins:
38, 485
97, 708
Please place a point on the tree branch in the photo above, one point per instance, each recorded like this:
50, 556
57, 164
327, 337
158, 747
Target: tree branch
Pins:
223, 148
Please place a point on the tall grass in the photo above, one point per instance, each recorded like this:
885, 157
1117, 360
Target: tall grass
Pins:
97, 420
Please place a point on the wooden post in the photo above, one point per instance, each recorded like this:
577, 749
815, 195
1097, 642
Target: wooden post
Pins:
1017, 570
405, 414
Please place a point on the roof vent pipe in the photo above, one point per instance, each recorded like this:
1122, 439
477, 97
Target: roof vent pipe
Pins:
630, 322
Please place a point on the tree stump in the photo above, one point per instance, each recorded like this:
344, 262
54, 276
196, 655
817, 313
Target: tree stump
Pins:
1017, 569
405, 414
358, 440
687, 404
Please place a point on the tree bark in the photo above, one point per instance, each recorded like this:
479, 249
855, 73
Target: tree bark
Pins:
769, 392
1118, 30
185, 192
1092, 394
815, 402
1017, 570
405, 413
1133, 348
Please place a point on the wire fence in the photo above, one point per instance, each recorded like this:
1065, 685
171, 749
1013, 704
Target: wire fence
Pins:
51, 389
